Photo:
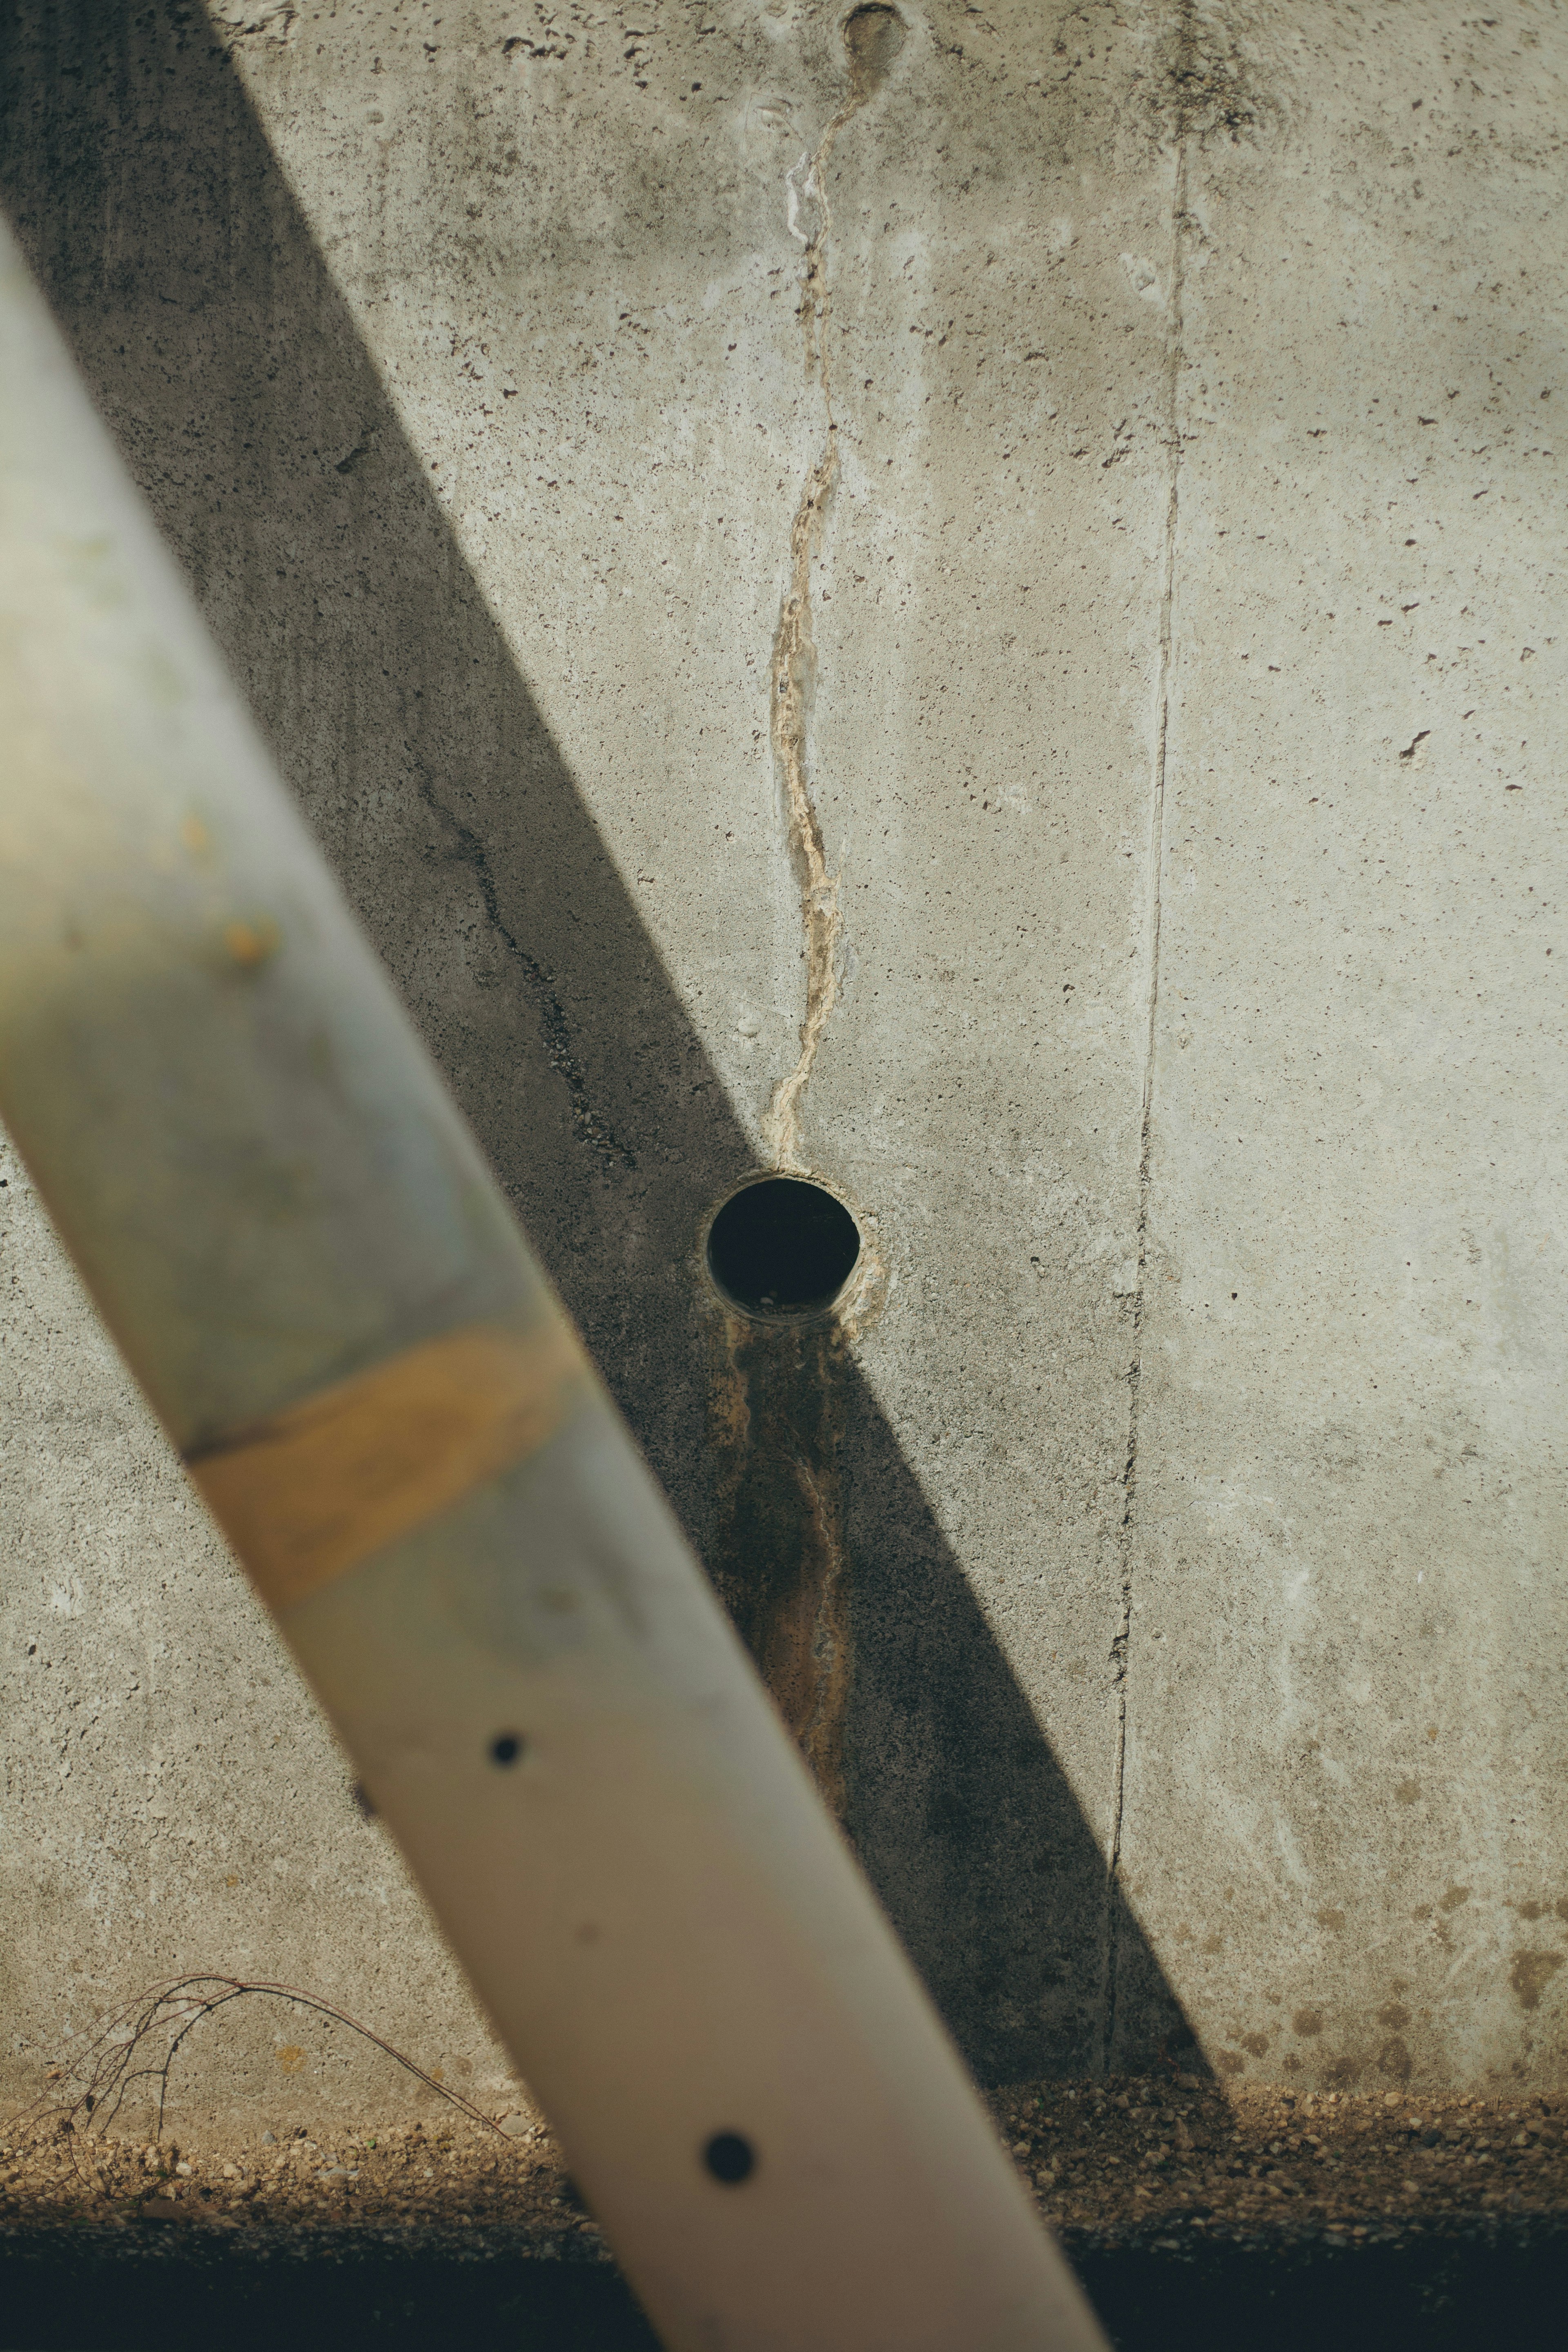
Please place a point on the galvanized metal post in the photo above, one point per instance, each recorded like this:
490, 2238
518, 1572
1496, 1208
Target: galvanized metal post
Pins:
289, 1232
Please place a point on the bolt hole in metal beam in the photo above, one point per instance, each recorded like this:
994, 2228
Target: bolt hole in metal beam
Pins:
729, 2157
782, 1248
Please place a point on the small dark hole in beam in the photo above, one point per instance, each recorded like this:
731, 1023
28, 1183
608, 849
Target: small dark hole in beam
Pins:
506, 1748
729, 2157
782, 1247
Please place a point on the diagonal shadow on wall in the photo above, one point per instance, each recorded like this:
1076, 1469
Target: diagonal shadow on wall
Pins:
216, 345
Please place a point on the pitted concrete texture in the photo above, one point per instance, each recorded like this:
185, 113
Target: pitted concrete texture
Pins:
172, 1801
1347, 1689
963, 602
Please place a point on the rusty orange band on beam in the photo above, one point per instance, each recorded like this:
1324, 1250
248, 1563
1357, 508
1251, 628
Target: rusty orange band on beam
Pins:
307, 1496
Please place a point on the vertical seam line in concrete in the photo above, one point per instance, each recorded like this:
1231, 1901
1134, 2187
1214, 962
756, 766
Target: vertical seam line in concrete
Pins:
1122, 1645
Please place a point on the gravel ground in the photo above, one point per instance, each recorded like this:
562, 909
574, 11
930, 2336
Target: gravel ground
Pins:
1135, 2152
1115, 2157
424, 2176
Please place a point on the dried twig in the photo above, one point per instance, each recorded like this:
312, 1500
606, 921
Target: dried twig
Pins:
113, 2064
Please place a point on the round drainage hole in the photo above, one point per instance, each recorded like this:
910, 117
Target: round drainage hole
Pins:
782, 1247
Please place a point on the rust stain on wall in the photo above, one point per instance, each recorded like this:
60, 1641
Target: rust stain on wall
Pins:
777, 1419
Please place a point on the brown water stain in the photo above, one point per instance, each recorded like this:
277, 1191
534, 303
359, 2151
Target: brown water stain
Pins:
1394, 2060
873, 36
777, 1419
1531, 1974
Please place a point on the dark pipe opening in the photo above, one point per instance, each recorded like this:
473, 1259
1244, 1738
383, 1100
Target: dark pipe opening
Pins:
782, 1247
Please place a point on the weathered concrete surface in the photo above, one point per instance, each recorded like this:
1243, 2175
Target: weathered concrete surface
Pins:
1347, 1719
172, 1801
482, 375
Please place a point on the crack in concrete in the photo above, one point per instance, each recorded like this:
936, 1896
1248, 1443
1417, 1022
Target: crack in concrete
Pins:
873, 36
587, 1125
1120, 1646
822, 922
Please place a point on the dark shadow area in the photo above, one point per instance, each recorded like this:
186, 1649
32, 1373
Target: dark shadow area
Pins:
228, 367
73, 2289
128, 2291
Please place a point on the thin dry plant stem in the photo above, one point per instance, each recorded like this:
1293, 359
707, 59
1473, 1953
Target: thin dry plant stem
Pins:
174, 2007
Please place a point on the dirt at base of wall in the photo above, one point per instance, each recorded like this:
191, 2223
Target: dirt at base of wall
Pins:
1118, 2152
1106, 2156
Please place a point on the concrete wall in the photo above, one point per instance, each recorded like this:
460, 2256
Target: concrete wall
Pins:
1132, 453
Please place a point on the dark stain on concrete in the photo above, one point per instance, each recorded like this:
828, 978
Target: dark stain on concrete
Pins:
1395, 2061
1211, 83
873, 34
1531, 1974
777, 1423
